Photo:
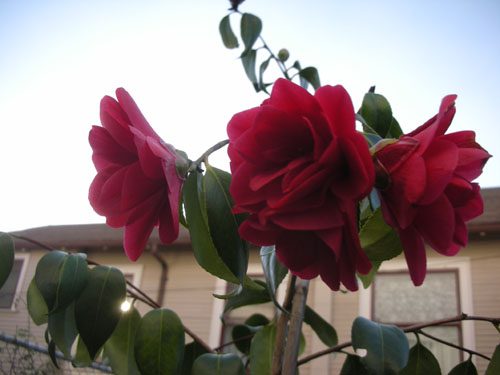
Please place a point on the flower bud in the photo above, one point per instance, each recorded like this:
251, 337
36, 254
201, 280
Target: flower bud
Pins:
283, 55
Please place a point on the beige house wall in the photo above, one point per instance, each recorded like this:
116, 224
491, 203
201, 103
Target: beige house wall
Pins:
189, 291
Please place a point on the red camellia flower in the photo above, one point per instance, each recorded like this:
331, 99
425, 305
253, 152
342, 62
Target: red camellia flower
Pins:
428, 195
137, 185
299, 167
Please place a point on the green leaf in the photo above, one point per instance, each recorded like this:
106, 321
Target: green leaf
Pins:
119, 349
191, 351
62, 329
82, 356
377, 112
223, 224
494, 366
249, 65
248, 297
60, 278
378, 240
395, 130
310, 74
7, 254
201, 240
421, 361
262, 350
464, 368
242, 334
37, 308
274, 271
372, 139
251, 26
323, 329
262, 69
97, 309
387, 346
159, 343
52, 353
353, 366
218, 364
226, 32
368, 278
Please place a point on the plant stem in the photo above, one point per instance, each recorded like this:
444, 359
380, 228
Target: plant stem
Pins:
295, 328
412, 328
452, 345
196, 164
281, 330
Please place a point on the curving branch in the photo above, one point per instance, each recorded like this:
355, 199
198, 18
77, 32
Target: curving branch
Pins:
411, 328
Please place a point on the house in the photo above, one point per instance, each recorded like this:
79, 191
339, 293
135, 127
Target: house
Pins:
170, 275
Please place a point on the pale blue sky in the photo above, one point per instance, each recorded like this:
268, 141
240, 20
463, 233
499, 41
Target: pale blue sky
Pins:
58, 58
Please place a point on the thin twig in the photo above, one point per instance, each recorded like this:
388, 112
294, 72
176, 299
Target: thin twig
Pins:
281, 329
452, 345
196, 164
412, 328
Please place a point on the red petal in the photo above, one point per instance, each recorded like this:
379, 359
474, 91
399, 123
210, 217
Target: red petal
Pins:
106, 150
292, 98
136, 236
299, 251
440, 161
436, 223
116, 122
414, 250
338, 109
324, 217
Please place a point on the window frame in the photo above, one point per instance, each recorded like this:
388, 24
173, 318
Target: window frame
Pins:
20, 282
462, 267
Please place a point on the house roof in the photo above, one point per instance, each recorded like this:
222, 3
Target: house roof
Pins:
99, 235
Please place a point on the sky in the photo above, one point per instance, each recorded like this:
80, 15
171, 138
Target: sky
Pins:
59, 58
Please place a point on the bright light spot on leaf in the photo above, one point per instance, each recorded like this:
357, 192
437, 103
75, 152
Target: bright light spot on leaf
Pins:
125, 306
361, 352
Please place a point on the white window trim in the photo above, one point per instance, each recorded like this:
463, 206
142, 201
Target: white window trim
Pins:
462, 264
20, 282
218, 304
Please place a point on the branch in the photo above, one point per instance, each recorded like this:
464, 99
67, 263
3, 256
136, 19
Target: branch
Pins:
145, 298
196, 164
452, 345
412, 328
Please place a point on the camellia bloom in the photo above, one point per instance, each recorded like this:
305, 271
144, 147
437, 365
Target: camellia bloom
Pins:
299, 167
137, 185
426, 190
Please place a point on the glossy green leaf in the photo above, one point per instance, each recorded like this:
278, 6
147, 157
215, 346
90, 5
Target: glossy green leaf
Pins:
227, 34
7, 254
387, 346
249, 65
218, 364
37, 308
191, 351
494, 366
205, 251
159, 343
52, 353
119, 349
378, 240
377, 112
464, 368
262, 350
248, 297
223, 224
97, 309
353, 366
421, 361
311, 75
321, 327
62, 329
60, 278
251, 26
82, 356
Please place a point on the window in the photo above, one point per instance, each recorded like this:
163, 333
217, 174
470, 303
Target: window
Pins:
12, 287
131, 272
446, 292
